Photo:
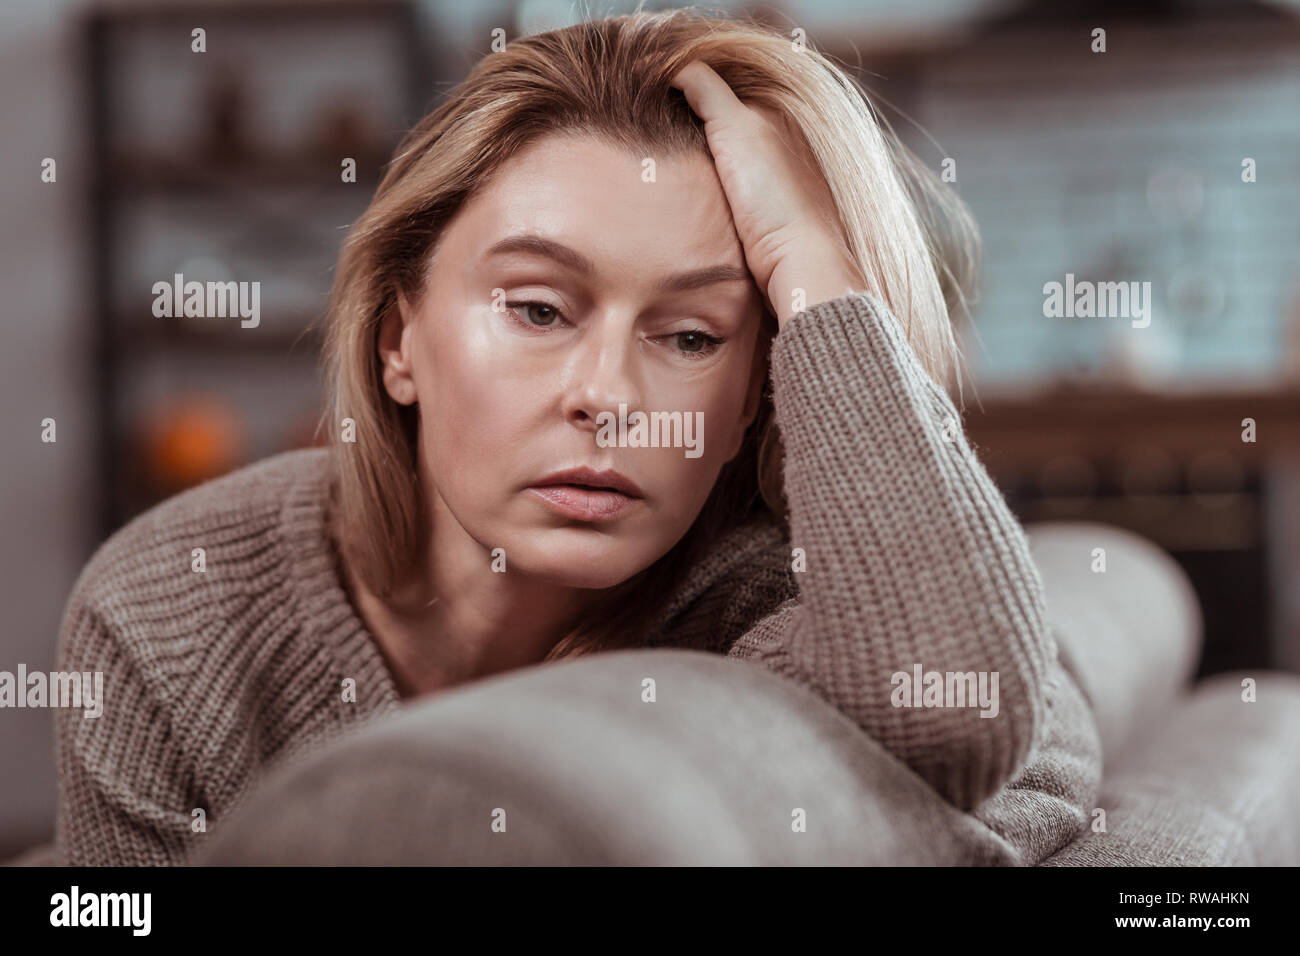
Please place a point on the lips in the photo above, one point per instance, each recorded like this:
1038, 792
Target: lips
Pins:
588, 478
587, 495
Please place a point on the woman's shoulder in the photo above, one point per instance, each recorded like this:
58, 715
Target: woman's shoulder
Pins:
206, 620
167, 585
206, 529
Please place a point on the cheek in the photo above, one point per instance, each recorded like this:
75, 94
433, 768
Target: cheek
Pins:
715, 405
718, 397
473, 403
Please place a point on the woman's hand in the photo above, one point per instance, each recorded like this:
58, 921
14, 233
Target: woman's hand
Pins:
783, 210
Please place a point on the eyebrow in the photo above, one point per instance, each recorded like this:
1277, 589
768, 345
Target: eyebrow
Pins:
572, 259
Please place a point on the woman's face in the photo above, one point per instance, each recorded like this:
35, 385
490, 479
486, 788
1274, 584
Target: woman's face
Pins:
578, 281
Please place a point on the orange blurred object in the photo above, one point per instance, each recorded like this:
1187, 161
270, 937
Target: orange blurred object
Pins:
190, 441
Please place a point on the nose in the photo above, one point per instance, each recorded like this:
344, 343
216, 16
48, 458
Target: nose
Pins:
603, 371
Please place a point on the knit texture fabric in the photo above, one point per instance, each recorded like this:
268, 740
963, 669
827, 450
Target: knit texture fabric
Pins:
912, 558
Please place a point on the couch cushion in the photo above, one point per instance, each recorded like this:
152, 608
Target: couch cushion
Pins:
1131, 634
1213, 783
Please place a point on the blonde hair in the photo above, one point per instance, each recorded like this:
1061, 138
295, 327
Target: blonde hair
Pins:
911, 237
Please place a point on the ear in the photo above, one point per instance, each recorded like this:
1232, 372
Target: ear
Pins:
394, 346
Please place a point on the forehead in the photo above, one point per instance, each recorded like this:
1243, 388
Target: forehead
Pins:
632, 215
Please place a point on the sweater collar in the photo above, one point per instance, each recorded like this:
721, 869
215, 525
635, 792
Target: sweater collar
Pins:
740, 546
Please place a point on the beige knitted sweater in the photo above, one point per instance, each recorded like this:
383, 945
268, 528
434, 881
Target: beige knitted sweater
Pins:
912, 558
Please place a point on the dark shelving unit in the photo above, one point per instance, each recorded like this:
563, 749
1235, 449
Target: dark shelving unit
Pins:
218, 168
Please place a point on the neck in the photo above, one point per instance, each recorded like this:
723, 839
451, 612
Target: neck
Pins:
452, 619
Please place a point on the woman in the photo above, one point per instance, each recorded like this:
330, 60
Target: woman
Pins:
662, 213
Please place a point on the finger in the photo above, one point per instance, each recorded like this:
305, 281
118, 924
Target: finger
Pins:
709, 95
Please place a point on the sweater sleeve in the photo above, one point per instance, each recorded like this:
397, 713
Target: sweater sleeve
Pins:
124, 793
912, 557
1050, 803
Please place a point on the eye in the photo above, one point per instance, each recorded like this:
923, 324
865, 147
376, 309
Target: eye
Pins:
543, 314
696, 344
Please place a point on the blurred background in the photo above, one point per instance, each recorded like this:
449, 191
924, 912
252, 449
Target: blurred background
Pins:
1124, 165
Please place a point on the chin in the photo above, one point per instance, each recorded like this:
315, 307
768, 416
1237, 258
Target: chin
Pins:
576, 558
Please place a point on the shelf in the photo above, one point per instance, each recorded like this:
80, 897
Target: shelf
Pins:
1031, 427
297, 339
243, 12
152, 174
181, 144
